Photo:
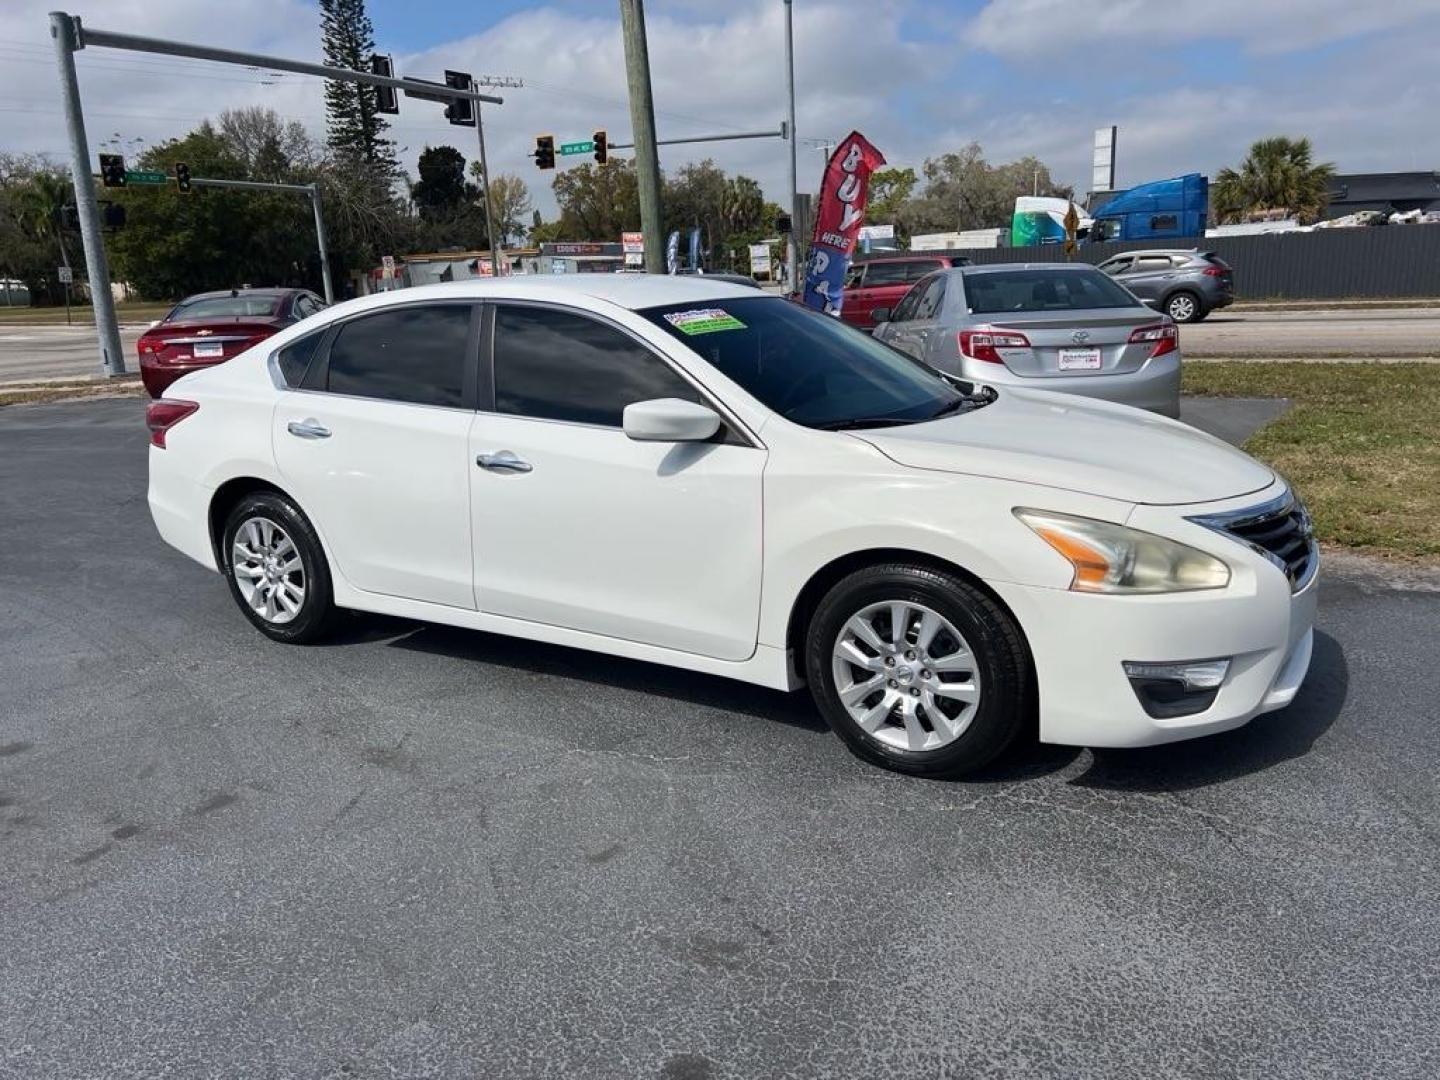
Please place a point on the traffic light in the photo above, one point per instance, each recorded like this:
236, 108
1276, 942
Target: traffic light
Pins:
112, 170
602, 147
461, 110
782, 223
182, 178
386, 100
545, 151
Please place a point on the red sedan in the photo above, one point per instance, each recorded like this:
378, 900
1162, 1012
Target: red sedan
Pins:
209, 328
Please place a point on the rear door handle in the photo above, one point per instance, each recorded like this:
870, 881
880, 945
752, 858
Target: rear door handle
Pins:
309, 428
503, 461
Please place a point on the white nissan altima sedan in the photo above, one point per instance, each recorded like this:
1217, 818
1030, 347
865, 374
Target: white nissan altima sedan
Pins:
686, 472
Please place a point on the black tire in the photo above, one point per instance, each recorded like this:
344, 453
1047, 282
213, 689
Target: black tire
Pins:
1191, 309
316, 615
1006, 706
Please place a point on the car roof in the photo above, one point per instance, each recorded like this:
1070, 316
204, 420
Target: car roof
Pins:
1157, 251
219, 293
632, 291
990, 268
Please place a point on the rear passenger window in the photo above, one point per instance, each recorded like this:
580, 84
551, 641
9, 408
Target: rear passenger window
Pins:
886, 273
914, 271
554, 365
415, 354
294, 359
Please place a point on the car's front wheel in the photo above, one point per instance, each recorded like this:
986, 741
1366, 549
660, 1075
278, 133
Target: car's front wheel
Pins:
918, 670
276, 569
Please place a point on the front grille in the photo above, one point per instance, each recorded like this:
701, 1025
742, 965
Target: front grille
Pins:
1280, 530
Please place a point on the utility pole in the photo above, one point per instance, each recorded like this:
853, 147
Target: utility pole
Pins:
642, 122
112, 355
320, 243
496, 255
792, 249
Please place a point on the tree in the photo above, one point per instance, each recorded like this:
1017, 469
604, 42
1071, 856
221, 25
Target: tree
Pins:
890, 189
442, 190
356, 130
32, 191
729, 211
598, 202
510, 198
964, 191
1278, 173
270, 148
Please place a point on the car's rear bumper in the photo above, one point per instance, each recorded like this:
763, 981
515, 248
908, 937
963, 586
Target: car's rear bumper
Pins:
1155, 386
1080, 643
178, 507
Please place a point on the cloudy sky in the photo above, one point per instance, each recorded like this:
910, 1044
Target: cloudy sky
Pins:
1189, 84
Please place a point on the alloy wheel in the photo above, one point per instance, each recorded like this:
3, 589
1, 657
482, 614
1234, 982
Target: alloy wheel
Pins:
268, 570
1182, 308
905, 675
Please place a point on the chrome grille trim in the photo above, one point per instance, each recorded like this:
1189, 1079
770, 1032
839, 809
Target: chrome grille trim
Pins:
1279, 531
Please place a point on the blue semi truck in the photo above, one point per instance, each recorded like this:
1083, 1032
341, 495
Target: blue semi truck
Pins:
1160, 210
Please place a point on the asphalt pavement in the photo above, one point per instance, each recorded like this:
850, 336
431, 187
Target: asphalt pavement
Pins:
29, 353
425, 852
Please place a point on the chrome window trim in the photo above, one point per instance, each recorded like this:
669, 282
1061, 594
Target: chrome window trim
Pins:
1224, 524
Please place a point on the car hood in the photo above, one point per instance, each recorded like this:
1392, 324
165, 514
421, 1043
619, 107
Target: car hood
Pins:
1062, 441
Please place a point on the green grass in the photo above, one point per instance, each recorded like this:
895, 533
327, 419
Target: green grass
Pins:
137, 311
1361, 445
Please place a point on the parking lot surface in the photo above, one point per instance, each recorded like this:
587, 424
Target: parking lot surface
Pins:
425, 852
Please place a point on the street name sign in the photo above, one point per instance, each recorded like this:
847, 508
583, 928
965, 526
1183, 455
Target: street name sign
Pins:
586, 147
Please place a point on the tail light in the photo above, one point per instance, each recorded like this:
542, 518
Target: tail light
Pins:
1164, 336
162, 415
148, 345
1214, 271
982, 344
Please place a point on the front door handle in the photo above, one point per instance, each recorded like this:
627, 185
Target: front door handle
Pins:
309, 428
503, 461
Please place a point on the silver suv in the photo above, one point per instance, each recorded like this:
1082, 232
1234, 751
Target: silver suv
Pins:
1186, 285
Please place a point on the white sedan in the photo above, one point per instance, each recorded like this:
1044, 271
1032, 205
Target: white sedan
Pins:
686, 472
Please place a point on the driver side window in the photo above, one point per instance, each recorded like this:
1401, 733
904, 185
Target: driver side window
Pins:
1116, 267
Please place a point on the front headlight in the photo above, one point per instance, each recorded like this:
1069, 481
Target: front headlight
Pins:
1113, 559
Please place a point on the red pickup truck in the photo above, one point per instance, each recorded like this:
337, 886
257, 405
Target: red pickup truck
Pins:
882, 280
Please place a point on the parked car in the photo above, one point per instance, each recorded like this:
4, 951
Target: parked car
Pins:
881, 282
1186, 285
696, 474
209, 328
1048, 326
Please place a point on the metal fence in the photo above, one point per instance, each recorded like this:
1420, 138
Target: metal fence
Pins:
1330, 264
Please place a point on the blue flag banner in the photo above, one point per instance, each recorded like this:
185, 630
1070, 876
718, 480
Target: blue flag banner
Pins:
672, 252
695, 248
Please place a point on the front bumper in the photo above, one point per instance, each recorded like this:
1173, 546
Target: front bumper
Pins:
1154, 386
1080, 642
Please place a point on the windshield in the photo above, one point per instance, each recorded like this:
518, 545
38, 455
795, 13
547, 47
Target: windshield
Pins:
1042, 289
810, 368
225, 307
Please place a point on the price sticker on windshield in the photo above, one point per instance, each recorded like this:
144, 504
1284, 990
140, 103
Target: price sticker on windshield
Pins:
703, 321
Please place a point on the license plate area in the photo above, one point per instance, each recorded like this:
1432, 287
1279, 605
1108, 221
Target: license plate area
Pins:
1079, 359
207, 349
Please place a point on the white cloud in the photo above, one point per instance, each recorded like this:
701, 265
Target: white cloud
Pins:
1019, 29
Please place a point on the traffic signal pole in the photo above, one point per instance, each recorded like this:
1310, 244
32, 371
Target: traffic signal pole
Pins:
642, 122
112, 354
70, 36
496, 255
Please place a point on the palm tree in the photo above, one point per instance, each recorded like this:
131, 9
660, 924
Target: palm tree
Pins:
1277, 174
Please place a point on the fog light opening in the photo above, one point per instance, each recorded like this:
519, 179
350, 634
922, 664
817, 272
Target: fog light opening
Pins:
1181, 688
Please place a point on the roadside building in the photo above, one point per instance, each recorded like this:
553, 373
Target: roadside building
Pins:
1387, 193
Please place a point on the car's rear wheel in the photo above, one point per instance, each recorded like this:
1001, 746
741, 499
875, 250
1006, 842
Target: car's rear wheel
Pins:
918, 670
1184, 307
276, 569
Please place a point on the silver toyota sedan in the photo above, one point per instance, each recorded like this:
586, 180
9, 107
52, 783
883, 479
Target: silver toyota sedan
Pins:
1042, 326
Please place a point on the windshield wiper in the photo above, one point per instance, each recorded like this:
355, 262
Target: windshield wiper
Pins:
863, 422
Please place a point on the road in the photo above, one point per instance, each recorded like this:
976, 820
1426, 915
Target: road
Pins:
51, 352
57, 352
428, 852
1379, 332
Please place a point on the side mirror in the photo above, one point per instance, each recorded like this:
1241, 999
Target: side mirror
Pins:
881, 314
670, 420
153, 323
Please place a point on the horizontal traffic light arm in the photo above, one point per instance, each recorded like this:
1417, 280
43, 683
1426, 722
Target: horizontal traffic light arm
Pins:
778, 133
134, 43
